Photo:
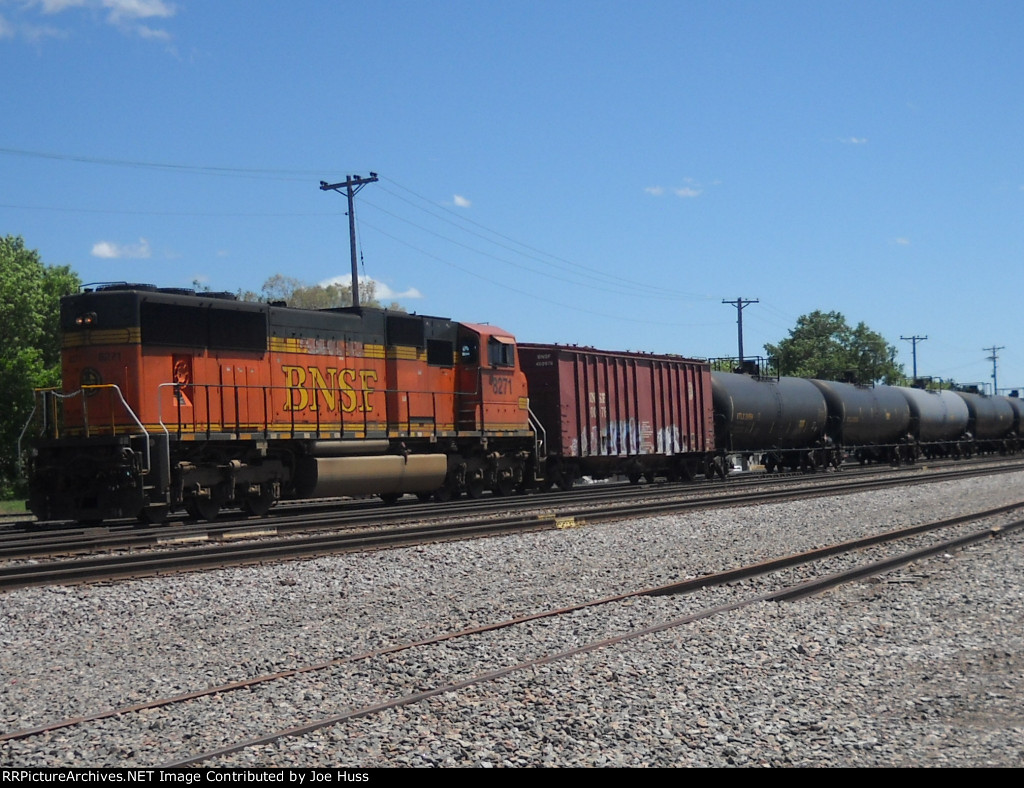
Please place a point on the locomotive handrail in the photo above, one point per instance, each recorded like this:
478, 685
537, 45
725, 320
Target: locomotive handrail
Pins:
127, 409
21, 436
56, 395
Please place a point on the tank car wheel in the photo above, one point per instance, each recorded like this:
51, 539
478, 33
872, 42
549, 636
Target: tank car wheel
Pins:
390, 498
202, 509
424, 497
257, 505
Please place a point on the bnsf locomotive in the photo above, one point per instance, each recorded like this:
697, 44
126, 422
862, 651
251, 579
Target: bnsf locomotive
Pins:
176, 400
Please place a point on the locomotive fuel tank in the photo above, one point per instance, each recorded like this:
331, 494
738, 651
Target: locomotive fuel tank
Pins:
935, 416
863, 415
753, 414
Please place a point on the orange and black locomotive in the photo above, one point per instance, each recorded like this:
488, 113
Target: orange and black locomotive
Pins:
174, 399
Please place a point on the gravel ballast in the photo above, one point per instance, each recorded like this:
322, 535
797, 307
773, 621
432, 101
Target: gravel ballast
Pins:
921, 667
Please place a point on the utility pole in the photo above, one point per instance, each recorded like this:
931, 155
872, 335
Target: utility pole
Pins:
739, 303
994, 358
351, 184
914, 340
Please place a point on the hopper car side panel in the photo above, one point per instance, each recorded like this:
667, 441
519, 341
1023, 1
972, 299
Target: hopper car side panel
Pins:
610, 412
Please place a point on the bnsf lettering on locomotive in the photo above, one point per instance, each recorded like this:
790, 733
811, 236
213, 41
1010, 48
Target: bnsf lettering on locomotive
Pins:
333, 387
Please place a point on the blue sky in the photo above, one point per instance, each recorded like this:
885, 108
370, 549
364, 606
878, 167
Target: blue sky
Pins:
593, 172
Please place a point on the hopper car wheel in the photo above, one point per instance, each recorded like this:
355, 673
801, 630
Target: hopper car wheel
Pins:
634, 478
257, 505
565, 483
202, 509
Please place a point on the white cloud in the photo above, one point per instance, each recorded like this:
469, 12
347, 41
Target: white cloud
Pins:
854, 140
56, 6
691, 190
380, 290
125, 15
138, 9
461, 201
112, 251
902, 241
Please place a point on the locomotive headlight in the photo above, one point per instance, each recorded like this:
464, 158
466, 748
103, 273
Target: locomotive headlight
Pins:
86, 319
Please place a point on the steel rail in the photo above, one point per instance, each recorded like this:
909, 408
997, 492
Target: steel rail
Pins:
103, 538
131, 566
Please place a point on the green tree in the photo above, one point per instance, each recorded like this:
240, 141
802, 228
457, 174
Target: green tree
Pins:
305, 296
30, 295
822, 345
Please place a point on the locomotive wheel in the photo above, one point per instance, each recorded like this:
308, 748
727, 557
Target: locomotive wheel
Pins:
504, 486
259, 504
474, 488
202, 509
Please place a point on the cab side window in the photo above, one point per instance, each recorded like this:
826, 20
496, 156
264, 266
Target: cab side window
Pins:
501, 354
468, 352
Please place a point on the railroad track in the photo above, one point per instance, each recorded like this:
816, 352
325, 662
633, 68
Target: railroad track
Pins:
557, 631
260, 542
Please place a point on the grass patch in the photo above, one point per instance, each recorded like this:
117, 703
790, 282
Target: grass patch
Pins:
15, 506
